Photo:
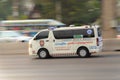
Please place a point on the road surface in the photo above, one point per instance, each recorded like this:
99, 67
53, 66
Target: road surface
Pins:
102, 66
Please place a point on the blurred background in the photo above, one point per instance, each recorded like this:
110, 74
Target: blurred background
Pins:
68, 11
105, 13
20, 20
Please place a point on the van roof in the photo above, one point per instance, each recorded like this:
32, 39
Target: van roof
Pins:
67, 28
76, 27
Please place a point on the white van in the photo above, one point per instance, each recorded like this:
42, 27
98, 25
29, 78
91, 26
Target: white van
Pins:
82, 40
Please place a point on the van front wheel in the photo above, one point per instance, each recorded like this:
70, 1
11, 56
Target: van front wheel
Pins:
83, 52
43, 54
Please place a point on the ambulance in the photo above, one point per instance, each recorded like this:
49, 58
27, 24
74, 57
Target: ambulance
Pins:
80, 40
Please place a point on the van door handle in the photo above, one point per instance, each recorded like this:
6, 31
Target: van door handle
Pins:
47, 40
53, 40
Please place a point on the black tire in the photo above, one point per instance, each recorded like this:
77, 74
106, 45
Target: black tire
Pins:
83, 52
43, 53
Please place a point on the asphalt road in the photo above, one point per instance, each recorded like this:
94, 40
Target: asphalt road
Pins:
102, 66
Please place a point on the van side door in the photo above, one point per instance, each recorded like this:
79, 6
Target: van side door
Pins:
62, 38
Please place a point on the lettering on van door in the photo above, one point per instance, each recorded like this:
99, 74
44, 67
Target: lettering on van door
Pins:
79, 43
61, 46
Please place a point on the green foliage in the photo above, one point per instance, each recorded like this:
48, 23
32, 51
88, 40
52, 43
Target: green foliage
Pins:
81, 11
73, 11
76, 12
5, 9
47, 9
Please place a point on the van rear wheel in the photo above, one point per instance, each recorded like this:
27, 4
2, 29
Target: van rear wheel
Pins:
83, 52
43, 54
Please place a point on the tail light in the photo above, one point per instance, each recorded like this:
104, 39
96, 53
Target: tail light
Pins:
97, 41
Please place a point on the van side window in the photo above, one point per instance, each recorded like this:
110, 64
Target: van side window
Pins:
42, 35
68, 34
87, 33
63, 34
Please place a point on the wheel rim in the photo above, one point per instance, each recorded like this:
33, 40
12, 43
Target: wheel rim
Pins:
83, 53
42, 54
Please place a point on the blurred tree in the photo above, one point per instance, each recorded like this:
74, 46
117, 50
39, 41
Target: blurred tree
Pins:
80, 11
35, 13
72, 11
45, 8
69, 11
5, 9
